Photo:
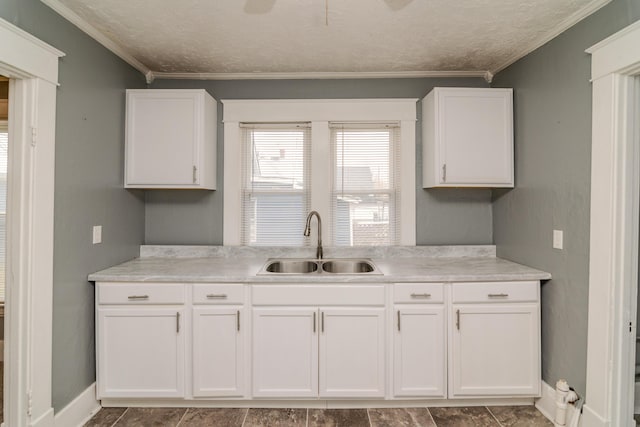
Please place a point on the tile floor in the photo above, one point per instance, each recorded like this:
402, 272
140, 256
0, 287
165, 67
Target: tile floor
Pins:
478, 416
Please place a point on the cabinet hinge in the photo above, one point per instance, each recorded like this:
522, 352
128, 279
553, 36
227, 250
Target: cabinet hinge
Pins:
195, 173
630, 326
444, 173
29, 402
34, 136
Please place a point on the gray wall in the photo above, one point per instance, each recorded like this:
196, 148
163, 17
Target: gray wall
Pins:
552, 96
88, 189
444, 216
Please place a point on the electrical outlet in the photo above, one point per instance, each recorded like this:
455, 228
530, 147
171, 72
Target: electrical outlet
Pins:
557, 239
97, 234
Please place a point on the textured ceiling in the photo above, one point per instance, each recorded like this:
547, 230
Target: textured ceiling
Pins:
288, 36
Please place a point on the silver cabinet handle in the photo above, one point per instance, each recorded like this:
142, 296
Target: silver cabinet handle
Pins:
398, 320
322, 322
314, 322
238, 320
177, 322
497, 295
458, 319
216, 296
420, 295
138, 297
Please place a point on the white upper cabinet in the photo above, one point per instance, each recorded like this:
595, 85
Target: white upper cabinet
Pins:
467, 137
170, 139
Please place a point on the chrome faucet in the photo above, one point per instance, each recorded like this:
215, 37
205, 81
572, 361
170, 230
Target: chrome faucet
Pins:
307, 232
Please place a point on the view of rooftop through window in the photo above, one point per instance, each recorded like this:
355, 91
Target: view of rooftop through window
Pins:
364, 194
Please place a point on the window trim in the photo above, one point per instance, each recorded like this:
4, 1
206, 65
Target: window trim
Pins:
319, 112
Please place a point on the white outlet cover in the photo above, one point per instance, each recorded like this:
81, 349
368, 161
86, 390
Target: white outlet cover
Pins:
558, 239
97, 234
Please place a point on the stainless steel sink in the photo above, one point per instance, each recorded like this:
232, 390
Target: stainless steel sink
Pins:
315, 266
348, 266
291, 266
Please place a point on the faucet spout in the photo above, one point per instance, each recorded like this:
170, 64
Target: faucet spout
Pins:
307, 232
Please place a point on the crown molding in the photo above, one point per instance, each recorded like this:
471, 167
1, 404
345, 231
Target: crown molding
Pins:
559, 29
319, 75
99, 36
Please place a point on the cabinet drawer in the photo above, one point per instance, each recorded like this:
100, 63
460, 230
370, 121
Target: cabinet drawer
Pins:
495, 292
218, 294
141, 293
418, 293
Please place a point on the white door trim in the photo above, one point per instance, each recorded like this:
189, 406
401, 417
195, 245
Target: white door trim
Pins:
32, 66
613, 260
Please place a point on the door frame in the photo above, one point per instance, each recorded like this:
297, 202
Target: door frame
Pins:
32, 67
613, 259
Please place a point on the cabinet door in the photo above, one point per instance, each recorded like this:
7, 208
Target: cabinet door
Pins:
285, 352
163, 130
140, 352
476, 136
495, 350
218, 356
419, 352
352, 352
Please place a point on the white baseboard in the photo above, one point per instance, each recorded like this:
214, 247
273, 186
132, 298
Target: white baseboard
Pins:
591, 419
79, 410
45, 420
546, 404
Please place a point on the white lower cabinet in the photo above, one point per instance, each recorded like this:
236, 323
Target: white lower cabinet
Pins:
294, 347
318, 341
218, 351
140, 352
352, 352
495, 340
419, 351
285, 352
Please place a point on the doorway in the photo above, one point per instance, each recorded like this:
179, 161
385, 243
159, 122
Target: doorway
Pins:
614, 230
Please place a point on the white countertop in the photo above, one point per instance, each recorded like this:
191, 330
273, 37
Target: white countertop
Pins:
436, 265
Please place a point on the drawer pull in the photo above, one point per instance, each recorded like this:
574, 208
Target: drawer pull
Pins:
420, 295
322, 322
314, 322
177, 322
458, 319
216, 296
138, 297
238, 320
498, 295
398, 320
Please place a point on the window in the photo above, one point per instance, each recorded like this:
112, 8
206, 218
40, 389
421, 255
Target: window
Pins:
348, 159
364, 194
276, 184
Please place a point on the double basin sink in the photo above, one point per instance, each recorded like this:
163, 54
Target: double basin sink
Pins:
319, 266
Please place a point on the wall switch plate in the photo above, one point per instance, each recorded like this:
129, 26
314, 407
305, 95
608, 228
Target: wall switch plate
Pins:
97, 234
557, 239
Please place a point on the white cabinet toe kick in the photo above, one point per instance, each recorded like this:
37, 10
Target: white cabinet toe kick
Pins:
317, 345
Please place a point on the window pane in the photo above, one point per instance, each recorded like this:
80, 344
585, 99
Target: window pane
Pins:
276, 194
362, 220
364, 197
362, 160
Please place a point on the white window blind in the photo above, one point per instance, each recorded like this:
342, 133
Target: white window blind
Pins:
365, 194
276, 184
4, 145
